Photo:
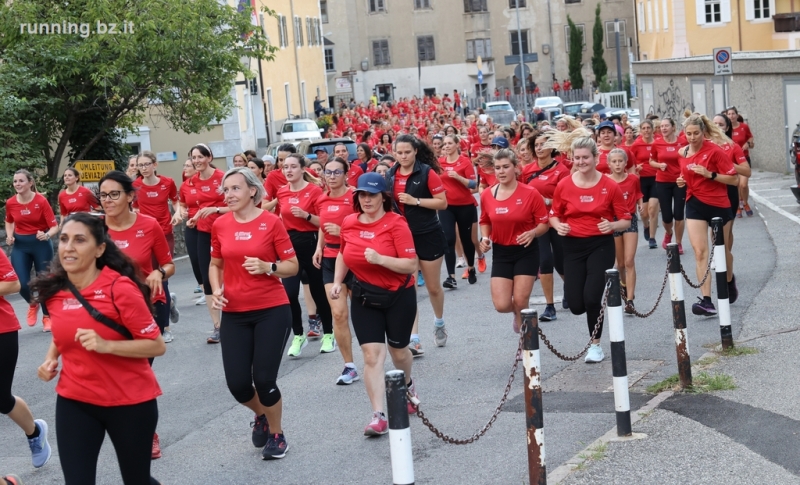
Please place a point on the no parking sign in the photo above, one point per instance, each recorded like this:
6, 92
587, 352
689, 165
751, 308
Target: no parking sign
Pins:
723, 61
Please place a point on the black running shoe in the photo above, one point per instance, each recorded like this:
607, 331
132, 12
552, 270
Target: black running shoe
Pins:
704, 308
260, 431
549, 314
733, 291
473, 277
647, 234
450, 282
276, 447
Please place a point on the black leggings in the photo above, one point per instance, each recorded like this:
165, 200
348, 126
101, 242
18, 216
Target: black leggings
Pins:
30, 252
668, 194
463, 215
9, 350
586, 260
198, 245
81, 429
551, 252
305, 244
252, 347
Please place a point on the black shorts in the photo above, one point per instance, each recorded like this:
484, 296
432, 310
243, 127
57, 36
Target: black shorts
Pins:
733, 196
511, 261
648, 186
303, 276
634, 227
392, 325
431, 245
328, 270
703, 212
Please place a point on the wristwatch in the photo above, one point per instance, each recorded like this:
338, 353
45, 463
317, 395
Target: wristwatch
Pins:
713, 175
163, 272
418, 202
272, 268
217, 210
308, 217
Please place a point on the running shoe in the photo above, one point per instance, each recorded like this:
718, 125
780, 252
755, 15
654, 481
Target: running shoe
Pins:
473, 277
461, 262
680, 248
653, 244
174, 313
564, 303
549, 314
12, 480
413, 391
739, 213
155, 452
314, 328
667, 240
199, 289
748, 210
299, 342
733, 291
328, 344
260, 431
629, 307
276, 447
201, 300
420, 279
378, 426
47, 324
40, 448
450, 282
465, 274
415, 347
482, 265
594, 355
349, 376
439, 335
646, 233
33, 315
167, 336
704, 308
214, 338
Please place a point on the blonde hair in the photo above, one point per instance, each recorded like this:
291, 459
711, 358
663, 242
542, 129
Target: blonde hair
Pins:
585, 143
572, 123
618, 151
709, 129
562, 141
504, 153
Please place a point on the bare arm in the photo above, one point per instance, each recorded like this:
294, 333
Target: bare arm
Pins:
9, 287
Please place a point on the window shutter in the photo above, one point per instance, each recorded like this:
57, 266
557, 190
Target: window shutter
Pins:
725, 6
641, 17
700, 11
487, 48
655, 12
749, 9
479, 49
471, 49
666, 15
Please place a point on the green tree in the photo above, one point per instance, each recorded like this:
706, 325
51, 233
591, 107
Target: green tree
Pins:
174, 58
575, 55
599, 67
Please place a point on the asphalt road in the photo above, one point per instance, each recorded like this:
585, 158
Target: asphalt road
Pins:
205, 434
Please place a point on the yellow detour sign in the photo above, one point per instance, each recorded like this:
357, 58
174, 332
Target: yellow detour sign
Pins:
93, 170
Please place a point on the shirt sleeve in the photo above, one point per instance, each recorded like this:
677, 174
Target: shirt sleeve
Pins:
47, 214
9, 211
133, 311
160, 246
738, 155
6, 270
618, 202
540, 214
281, 242
557, 206
216, 244
173, 190
435, 185
722, 163
403, 241
468, 169
63, 209
484, 219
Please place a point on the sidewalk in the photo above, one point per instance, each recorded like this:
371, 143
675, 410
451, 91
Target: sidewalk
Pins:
749, 435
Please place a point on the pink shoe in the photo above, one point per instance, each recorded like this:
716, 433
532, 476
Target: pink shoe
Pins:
413, 391
378, 426
680, 248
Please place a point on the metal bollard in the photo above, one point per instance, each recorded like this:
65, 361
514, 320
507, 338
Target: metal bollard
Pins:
679, 315
721, 268
399, 428
619, 367
534, 417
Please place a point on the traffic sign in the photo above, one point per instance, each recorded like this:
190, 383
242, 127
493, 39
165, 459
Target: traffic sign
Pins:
520, 75
723, 61
480, 77
93, 170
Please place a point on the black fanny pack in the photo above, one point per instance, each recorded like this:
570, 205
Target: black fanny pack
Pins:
374, 296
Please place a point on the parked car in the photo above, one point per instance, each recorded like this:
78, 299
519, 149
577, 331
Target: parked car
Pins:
588, 109
272, 149
501, 112
300, 129
310, 147
573, 109
549, 102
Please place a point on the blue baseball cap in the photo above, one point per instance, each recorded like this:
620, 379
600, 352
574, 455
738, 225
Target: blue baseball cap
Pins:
371, 182
500, 141
606, 124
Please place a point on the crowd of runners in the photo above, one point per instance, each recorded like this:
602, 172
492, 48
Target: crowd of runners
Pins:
428, 186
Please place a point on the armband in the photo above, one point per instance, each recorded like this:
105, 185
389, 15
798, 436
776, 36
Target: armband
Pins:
472, 184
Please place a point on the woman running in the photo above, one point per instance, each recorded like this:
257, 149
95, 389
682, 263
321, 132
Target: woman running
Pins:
587, 208
107, 385
377, 246
606, 138
298, 210
742, 136
419, 192
672, 199
333, 207
30, 223
240, 160
642, 152
203, 202
13, 406
75, 197
513, 215
705, 170
625, 241
132, 170
365, 159
250, 253
259, 169
141, 238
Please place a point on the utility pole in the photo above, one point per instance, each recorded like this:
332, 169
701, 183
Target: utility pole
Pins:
619, 63
523, 80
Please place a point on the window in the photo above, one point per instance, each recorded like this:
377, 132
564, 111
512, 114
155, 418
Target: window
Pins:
313, 31
479, 48
666, 15
757, 9
581, 29
329, 65
715, 11
515, 42
611, 38
425, 49
422, 4
323, 10
283, 37
572, 1
516, 3
471, 6
376, 6
298, 31
482, 90
650, 15
308, 32
380, 52
642, 24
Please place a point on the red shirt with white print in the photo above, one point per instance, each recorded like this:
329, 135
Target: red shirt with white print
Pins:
28, 219
197, 194
547, 180
305, 199
333, 210
521, 212
664, 152
583, 209
353, 174
153, 200
457, 193
631, 191
735, 152
8, 319
740, 136
642, 153
707, 191
82, 200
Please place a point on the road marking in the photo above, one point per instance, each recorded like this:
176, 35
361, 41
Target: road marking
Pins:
762, 200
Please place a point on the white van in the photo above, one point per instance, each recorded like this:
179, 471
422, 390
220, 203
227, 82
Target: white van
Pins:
300, 129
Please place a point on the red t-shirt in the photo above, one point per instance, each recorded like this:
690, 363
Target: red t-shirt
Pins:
8, 319
198, 194
583, 209
707, 191
479, 148
264, 238
333, 210
457, 193
28, 219
103, 379
141, 242
353, 174
740, 136
82, 200
487, 178
390, 236
435, 186
547, 181
631, 191
305, 199
664, 152
153, 200
682, 139
602, 160
564, 160
522, 211
275, 180
642, 153
735, 152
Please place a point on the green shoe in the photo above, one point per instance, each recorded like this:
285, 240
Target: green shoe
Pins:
328, 344
298, 344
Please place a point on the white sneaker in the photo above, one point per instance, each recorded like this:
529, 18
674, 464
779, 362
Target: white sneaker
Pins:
201, 300
167, 336
594, 355
461, 263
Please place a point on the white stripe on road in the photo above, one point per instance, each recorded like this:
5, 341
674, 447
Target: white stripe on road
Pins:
762, 200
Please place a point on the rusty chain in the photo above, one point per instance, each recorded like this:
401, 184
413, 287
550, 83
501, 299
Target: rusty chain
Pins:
708, 268
660, 294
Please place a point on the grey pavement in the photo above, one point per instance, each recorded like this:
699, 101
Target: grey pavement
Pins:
205, 434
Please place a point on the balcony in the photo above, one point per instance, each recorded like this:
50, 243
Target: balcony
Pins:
787, 22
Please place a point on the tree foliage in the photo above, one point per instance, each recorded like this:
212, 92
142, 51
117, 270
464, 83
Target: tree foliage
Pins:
599, 67
575, 55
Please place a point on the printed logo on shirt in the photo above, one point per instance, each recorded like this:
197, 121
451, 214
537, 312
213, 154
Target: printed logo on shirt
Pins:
294, 200
625, 195
243, 236
24, 212
587, 198
672, 149
604, 191
193, 191
411, 250
519, 201
72, 200
122, 244
544, 177
71, 304
205, 188
152, 194
501, 210
150, 328
288, 251
99, 295
9, 275
366, 235
333, 208
262, 226
139, 233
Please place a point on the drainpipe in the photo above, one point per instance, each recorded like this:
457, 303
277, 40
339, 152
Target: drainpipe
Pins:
739, 21
297, 62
